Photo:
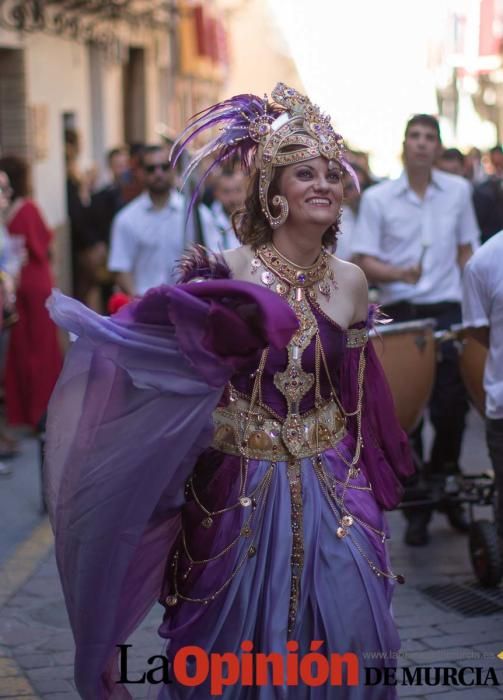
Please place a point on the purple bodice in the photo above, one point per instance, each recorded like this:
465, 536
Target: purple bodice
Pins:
333, 339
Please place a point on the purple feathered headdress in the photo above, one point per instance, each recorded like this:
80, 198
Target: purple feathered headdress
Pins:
254, 130
233, 140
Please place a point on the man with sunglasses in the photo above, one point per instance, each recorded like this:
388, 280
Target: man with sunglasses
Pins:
148, 235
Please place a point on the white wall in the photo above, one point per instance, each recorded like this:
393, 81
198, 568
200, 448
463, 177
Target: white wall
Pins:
151, 95
57, 75
112, 97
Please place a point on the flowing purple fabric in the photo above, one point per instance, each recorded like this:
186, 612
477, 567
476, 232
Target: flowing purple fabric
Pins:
129, 421
386, 456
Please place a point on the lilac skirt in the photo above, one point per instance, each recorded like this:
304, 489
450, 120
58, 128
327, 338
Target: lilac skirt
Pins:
341, 601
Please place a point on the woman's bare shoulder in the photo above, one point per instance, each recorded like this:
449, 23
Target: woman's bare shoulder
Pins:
349, 273
352, 281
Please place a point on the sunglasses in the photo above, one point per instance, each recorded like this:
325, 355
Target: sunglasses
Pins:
158, 166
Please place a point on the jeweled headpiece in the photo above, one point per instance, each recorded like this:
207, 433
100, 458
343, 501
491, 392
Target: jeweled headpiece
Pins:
288, 129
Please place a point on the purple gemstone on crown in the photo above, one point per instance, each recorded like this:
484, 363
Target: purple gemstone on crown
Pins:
301, 277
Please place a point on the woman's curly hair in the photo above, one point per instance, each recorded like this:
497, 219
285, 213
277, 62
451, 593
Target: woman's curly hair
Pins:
250, 223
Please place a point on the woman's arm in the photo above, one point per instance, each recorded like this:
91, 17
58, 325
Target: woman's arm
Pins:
378, 271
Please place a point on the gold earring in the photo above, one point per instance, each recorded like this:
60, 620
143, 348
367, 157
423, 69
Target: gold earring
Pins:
279, 201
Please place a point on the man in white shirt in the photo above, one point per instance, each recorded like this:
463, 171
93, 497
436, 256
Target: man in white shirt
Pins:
349, 211
150, 234
483, 318
230, 194
413, 237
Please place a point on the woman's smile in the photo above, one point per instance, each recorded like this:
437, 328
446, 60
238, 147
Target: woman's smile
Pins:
319, 201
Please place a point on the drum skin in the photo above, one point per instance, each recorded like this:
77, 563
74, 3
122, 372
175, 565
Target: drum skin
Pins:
408, 355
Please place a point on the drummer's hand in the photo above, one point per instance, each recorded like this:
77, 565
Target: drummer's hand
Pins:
411, 275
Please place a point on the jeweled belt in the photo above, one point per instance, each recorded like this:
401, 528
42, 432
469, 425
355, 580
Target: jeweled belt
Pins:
257, 434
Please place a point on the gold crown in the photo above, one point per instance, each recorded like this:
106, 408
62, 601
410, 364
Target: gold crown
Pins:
302, 124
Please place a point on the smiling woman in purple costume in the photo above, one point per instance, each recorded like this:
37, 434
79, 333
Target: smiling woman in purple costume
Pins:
228, 447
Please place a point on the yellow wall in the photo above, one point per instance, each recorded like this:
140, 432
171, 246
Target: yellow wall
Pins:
259, 55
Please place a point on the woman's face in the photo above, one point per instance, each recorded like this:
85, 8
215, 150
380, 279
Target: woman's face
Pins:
313, 190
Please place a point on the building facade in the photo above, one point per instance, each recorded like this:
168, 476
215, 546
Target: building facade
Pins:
121, 71
469, 65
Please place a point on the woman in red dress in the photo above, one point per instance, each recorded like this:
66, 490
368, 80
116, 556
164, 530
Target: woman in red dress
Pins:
34, 357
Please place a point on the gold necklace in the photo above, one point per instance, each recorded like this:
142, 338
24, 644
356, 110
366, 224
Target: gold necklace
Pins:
294, 264
291, 274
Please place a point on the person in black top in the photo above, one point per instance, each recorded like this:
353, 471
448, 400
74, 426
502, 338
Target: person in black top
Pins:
488, 198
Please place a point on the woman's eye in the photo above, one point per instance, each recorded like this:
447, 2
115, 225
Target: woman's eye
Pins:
334, 177
304, 173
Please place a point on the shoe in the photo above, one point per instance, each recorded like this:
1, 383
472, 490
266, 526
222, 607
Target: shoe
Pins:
416, 534
456, 515
5, 470
9, 447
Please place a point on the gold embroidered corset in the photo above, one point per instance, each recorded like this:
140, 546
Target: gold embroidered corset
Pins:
259, 434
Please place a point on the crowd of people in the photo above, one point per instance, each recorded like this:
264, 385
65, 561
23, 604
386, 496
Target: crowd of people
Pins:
127, 229
412, 237
428, 243
131, 231
33, 356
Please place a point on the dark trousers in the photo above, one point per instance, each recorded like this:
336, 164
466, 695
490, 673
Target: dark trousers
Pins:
494, 436
449, 402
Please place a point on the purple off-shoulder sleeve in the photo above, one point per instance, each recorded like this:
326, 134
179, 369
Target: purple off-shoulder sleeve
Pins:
129, 415
386, 455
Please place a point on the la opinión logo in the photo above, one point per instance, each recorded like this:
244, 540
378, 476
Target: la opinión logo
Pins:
192, 666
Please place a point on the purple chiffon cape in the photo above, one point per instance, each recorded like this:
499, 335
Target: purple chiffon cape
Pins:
129, 416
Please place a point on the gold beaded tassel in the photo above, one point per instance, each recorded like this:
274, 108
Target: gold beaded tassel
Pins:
347, 520
297, 556
250, 530
353, 465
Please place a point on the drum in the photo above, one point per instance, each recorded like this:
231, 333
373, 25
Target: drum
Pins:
408, 355
472, 361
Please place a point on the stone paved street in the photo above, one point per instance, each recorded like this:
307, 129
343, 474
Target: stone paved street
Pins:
36, 645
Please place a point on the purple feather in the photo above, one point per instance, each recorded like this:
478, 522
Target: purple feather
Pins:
351, 172
198, 261
377, 316
232, 117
